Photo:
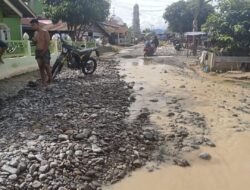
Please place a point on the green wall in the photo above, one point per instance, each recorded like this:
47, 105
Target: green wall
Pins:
14, 23
15, 27
1, 14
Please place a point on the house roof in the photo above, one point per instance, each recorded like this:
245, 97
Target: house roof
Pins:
46, 24
111, 28
26, 22
106, 28
49, 26
60, 26
194, 33
16, 7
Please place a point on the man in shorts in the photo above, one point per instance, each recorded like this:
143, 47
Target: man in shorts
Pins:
42, 39
3, 47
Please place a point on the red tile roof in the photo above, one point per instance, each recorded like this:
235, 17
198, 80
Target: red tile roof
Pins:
46, 24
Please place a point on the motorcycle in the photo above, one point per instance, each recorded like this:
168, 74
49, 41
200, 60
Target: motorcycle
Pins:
74, 58
177, 45
149, 49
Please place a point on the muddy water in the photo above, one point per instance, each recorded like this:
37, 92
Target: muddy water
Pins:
226, 107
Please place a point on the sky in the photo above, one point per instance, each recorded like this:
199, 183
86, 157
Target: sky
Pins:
151, 12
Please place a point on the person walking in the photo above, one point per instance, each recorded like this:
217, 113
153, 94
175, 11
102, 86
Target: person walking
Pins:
42, 39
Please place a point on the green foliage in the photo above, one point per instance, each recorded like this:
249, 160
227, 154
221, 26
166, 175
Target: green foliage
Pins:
115, 49
230, 26
180, 15
79, 14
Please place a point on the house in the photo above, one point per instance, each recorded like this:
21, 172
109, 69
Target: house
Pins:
11, 12
95, 31
117, 34
117, 30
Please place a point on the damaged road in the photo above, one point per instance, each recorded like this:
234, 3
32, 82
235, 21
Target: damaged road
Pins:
205, 119
86, 132
73, 135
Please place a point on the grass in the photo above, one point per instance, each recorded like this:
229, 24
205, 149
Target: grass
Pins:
114, 49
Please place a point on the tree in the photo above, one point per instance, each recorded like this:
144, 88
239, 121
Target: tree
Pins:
230, 26
201, 10
78, 14
180, 15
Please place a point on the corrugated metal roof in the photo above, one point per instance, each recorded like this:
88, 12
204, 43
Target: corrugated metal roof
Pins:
194, 33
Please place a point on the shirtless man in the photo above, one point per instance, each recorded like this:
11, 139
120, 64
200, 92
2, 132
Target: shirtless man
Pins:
41, 39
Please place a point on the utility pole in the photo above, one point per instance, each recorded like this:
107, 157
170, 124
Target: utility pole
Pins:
200, 5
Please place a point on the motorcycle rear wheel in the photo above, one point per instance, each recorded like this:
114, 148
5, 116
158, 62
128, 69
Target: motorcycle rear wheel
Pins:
56, 69
89, 66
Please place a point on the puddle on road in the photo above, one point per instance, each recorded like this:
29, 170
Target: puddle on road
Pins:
228, 170
226, 107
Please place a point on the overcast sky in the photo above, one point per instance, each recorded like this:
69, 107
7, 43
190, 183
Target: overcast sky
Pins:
151, 11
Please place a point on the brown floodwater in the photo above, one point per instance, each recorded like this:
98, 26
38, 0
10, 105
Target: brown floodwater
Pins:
226, 106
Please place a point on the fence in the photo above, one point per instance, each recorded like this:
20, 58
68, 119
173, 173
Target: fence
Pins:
227, 63
27, 48
17, 49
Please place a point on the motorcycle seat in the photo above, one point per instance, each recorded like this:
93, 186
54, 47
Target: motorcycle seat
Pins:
84, 51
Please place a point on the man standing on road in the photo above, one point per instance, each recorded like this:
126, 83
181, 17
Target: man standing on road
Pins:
3, 47
42, 39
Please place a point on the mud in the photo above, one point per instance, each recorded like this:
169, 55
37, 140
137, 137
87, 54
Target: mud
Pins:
225, 105
207, 106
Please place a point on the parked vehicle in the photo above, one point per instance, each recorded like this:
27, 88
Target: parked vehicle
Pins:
177, 45
74, 58
149, 49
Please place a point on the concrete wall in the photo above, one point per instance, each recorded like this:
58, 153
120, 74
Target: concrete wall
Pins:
226, 63
21, 65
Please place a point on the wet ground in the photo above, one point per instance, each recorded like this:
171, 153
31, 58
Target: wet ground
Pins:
181, 100
74, 134
224, 103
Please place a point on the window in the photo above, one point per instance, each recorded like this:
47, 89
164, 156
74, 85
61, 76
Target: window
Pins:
4, 32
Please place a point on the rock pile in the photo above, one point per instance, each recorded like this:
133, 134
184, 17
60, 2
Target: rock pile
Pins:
73, 135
